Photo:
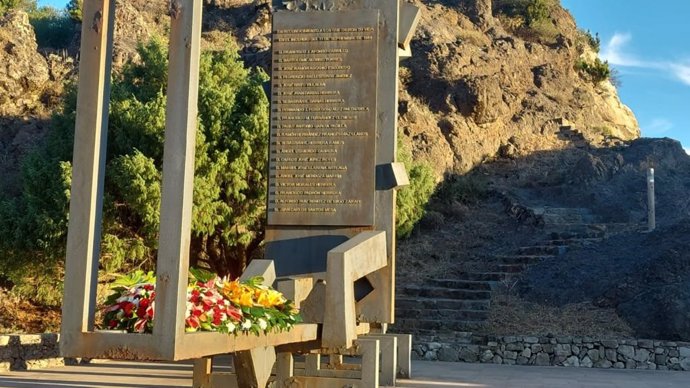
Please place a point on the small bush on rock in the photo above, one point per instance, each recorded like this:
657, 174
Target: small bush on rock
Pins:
530, 19
412, 200
8, 5
596, 71
585, 38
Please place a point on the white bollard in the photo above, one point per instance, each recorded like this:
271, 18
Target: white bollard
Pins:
651, 214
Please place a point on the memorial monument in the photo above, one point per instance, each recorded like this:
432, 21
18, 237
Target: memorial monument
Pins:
330, 238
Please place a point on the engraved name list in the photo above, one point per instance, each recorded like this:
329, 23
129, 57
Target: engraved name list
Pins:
323, 118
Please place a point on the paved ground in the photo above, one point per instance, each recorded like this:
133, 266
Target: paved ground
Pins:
426, 375
443, 375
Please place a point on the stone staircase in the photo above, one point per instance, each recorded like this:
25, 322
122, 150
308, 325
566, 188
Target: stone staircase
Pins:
461, 304
444, 305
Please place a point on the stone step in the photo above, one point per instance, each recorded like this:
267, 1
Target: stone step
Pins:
461, 284
484, 276
406, 302
550, 219
623, 227
576, 241
567, 210
509, 268
523, 259
469, 326
453, 337
429, 325
442, 314
570, 232
542, 250
593, 229
442, 292
492, 264
554, 215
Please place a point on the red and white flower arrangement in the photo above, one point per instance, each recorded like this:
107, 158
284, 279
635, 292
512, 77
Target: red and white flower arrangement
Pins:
213, 304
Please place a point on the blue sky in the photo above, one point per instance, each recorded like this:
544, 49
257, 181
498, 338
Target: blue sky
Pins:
647, 42
53, 3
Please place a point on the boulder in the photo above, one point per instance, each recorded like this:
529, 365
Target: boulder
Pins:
447, 354
24, 73
542, 359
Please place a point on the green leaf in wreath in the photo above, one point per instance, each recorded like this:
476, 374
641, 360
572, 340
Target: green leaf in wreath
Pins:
257, 312
255, 281
201, 275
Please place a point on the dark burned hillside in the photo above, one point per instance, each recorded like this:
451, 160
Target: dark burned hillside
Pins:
564, 233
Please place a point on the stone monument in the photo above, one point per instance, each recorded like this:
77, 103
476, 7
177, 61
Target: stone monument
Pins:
330, 239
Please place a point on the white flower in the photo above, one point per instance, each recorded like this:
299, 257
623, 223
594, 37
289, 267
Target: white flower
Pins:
247, 324
263, 324
231, 327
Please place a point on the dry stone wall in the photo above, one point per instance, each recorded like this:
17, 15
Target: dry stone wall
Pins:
30, 351
36, 351
584, 352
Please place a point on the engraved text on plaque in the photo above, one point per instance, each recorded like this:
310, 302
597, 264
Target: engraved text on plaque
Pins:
323, 118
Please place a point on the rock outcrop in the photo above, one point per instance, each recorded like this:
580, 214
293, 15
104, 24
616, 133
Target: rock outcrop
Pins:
480, 90
31, 87
24, 73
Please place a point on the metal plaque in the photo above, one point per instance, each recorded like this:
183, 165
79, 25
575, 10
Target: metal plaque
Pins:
323, 118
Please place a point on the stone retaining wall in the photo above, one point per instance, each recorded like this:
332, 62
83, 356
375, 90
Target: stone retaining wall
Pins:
585, 352
30, 351
35, 351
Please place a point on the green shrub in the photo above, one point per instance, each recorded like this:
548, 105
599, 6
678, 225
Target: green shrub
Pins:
543, 31
24, 5
74, 9
593, 41
605, 130
531, 11
596, 72
8, 5
54, 29
412, 200
537, 11
530, 19
466, 189
229, 183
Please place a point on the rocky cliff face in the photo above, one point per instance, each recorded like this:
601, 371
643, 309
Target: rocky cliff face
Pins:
472, 90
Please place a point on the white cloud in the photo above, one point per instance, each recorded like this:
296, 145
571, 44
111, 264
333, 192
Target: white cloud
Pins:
681, 71
687, 150
617, 54
614, 52
658, 126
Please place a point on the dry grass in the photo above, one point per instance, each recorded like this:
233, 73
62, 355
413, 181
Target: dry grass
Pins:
20, 316
474, 37
511, 315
